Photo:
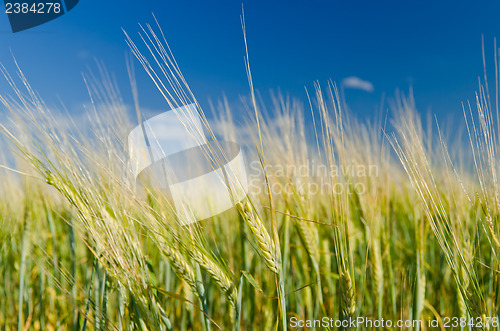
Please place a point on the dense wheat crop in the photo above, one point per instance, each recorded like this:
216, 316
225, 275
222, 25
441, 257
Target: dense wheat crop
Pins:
344, 219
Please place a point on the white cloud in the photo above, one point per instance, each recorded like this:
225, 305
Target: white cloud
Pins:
354, 82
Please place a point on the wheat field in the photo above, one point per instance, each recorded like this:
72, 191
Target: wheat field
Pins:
386, 218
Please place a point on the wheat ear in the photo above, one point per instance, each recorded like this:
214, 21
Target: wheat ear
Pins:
266, 246
216, 272
347, 303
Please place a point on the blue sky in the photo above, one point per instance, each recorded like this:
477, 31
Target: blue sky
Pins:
433, 46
